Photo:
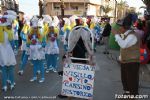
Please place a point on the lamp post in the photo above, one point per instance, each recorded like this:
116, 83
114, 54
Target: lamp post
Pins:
40, 7
62, 8
16, 6
43, 7
10, 4
115, 10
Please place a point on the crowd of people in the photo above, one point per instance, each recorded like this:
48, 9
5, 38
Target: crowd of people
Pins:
41, 37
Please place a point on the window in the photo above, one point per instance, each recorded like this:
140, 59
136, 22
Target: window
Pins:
74, 7
2, 2
56, 6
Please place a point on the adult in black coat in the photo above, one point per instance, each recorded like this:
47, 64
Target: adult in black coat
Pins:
19, 31
106, 34
79, 50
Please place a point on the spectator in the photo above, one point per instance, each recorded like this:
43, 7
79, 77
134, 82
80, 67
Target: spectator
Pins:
105, 35
129, 55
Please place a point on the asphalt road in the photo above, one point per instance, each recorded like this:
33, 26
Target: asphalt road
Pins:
107, 81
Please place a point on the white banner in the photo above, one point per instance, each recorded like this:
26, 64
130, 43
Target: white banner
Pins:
78, 81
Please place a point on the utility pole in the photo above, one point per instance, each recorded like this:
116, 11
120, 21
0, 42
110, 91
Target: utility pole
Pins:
16, 6
62, 8
115, 10
10, 6
40, 8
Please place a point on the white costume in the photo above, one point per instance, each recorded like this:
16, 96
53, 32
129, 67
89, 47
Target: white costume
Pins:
36, 51
65, 29
52, 46
7, 56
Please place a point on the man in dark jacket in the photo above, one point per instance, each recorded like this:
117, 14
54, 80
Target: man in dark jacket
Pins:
21, 23
105, 35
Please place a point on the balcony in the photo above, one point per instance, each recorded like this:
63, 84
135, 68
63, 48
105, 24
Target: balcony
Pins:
68, 1
74, 12
68, 12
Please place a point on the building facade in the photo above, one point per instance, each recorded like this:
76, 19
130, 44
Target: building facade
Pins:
9, 4
72, 7
109, 3
122, 9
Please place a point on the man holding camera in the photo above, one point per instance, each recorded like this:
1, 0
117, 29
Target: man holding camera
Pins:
129, 55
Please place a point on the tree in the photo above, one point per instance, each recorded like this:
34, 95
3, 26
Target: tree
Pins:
121, 8
146, 2
106, 9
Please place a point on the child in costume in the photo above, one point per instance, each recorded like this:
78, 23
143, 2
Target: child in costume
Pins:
56, 23
72, 21
95, 28
15, 27
42, 31
24, 34
84, 22
46, 21
66, 29
98, 32
7, 56
36, 51
52, 49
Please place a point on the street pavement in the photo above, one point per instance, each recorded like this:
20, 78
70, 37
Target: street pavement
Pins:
107, 81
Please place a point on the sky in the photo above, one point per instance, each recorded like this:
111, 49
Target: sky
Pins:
135, 3
30, 7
